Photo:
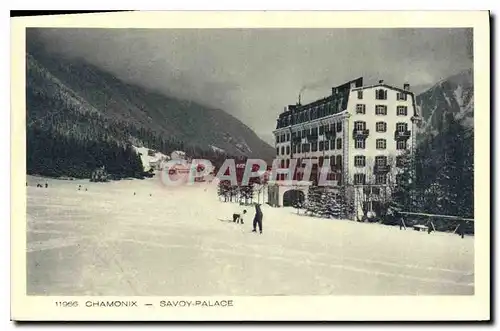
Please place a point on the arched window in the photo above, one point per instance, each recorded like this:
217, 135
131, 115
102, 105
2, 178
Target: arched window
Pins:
381, 94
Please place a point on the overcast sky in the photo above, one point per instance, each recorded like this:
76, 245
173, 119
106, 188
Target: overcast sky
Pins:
253, 73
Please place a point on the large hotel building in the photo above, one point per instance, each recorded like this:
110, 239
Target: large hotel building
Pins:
362, 130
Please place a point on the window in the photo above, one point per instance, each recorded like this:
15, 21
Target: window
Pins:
402, 110
381, 94
283, 137
400, 161
339, 143
282, 150
359, 179
381, 179
282, 164
338, 161
380, 110
381, 127
277, 151
376, 190
360, 109
303, 133
360, 143
294, 149
321, 129
314, 131
401, 144
320, 161
277, 139
401, 127
381, 144
298, 148
360, 95
339, 126
287, 137
359, 161
332, 161
359, 125
321, 145
401, 96
287, 150
287, 163
314, 146
327, 145
332, 144
381, 160
305, 148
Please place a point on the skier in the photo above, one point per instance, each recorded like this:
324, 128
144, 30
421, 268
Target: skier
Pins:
257, 219
239, 217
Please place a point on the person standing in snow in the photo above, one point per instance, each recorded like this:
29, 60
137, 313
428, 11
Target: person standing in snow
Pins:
257, 220
239, 217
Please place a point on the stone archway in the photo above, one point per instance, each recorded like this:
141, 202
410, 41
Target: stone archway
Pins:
290, 197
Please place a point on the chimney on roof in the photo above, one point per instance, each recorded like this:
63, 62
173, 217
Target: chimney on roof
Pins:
406, 86
381, 81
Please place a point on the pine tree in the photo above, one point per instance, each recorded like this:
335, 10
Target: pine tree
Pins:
313, 202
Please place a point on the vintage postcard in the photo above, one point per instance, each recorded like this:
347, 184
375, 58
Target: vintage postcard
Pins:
251, 166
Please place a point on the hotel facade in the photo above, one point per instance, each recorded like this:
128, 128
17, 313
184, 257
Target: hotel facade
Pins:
365, 132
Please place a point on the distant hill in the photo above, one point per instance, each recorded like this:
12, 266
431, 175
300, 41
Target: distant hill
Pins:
91, 91
454, 95
74, 102
445, 149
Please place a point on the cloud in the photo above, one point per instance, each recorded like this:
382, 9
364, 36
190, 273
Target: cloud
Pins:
252, 74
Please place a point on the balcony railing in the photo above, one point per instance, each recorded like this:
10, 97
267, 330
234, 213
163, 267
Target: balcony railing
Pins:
381, 168
296, 139
360, 133
402, 135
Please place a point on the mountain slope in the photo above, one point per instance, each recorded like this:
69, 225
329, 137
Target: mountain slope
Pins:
454, 95
445, 152
90, 91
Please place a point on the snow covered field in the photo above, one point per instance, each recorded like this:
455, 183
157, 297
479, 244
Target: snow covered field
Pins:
108, 241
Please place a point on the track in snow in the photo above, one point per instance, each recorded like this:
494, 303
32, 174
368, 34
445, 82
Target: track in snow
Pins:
106, 241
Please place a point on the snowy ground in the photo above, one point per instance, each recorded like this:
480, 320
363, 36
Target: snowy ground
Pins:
108, 241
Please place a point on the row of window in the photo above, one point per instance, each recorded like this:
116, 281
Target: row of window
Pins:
382, 110
360, 143
327, 145
360, 179
358, 125
381, 94
381, 126
380, 179
321, 146
313, 131
300, 176
360, 161
335, 162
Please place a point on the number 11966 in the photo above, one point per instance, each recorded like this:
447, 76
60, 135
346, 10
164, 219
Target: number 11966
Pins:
66, 304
